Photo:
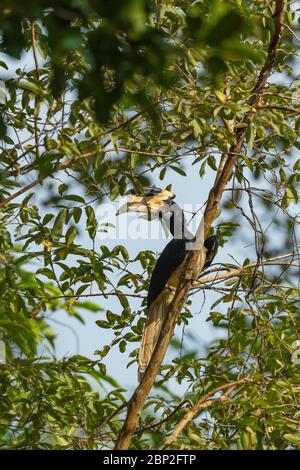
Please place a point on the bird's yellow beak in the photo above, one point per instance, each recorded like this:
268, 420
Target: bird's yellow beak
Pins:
134, 204
147, 205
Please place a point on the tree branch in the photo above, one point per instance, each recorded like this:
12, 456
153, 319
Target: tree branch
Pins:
242, 269
37, 74
280, 107
74, 296
218, 189
59, 166
20, 192
197, 258
204, 402
140, 395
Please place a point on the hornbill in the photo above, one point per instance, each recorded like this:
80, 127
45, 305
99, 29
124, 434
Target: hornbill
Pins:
156, 203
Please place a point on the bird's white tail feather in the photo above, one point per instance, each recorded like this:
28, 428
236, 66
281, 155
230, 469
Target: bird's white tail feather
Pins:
155, 317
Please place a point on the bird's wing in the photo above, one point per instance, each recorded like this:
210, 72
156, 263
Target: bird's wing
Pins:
159, 299
211, 245
170, 259
166, 271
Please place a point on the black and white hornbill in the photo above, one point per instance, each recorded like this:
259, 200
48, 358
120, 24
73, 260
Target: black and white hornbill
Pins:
159, 204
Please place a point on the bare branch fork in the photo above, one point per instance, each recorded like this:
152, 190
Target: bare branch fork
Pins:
140, 395
201, 404
276, 261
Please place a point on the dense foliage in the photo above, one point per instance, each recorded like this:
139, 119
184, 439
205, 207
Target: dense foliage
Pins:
114, 97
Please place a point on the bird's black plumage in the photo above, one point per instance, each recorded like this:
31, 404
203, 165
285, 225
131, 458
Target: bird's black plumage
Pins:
170, 259
211, 244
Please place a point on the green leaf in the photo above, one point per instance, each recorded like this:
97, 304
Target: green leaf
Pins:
91, 223
290, 196
102, 324
212, 162
77, 214
197, 131
296, 166
32, 87
70, 235
3, 65
58, 225
293, 438
202, 169
81, 289
62, 188
178, 170
162, 173
114, 192
46, 272
250, 136
3, 128
122, 346
74, 197
47, 219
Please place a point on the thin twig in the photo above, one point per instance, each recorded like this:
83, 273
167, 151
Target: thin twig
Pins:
37, 74
164, 420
